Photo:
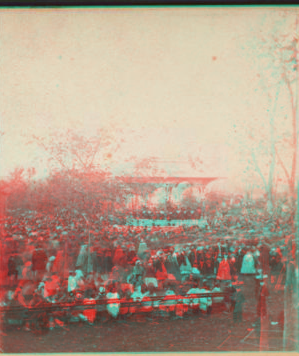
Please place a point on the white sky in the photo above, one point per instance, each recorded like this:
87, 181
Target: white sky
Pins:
178, 77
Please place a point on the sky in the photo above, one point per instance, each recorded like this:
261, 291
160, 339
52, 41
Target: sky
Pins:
172, 80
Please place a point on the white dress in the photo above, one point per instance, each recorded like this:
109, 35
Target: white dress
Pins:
248, 264
113, 308
204, 302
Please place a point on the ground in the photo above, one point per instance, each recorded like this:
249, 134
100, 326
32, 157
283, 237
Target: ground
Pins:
216, 332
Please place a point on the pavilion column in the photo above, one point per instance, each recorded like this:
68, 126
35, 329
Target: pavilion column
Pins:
201, 190
169, 188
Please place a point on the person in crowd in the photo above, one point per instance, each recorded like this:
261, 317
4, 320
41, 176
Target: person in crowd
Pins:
205, 302
182, 304
258, 279
195, 273
217, 300
201, 259
49, 266
248, 265
119, 256
125, 303
262, 310
229, 302
27, 273
52, 285
146, 302
131, 255
77, 315
238, 301
264, 250
256, 256
108, 264
193, 301
39, 262
72, 282
90, 283
79, 276
90, 313
113, 301
142, 249
152, 294
168, 305
232, 265
240, 257
150, 274
161, 272
185, 268
172, 265
209, 262
12, 270
275, 261
138, 269
223, 273
59, 265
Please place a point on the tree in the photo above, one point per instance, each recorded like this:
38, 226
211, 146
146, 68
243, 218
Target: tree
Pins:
275, 58
282, 49
72, 151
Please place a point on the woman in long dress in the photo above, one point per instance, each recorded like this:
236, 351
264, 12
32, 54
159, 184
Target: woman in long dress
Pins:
248, 265
224, 270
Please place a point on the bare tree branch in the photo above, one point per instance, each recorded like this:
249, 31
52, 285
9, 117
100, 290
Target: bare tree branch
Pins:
259, 171
283, 166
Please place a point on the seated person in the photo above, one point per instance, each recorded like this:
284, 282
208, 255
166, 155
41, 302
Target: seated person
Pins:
146, 302
169, 302
193, 303
195, 273
205, 303
136, 296
151, 288
150, 275
185, 268
182, 305
113, 304
217, 289
52, 285
80, 279
125, 304
76, 314
90, 314
72, 282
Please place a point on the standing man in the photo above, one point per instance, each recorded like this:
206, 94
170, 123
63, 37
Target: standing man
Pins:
39, 262
262, 314
238, 299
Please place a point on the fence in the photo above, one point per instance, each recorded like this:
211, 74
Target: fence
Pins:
49, 308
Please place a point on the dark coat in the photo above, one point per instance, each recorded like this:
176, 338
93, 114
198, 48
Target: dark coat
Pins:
264, 258
39, 260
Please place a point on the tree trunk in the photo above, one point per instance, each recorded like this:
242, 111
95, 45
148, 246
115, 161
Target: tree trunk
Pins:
293, 175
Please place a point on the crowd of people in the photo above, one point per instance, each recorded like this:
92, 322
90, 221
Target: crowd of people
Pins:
77, 259
170, 213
